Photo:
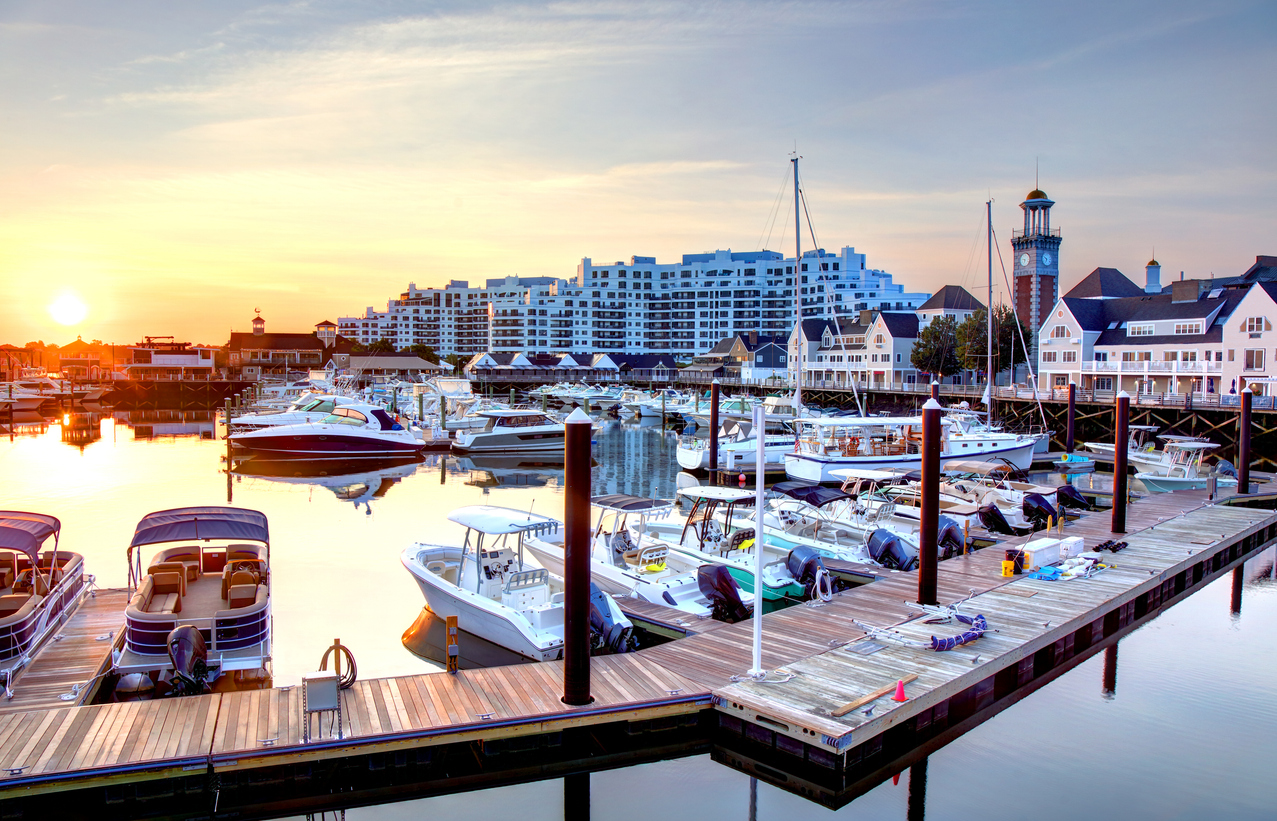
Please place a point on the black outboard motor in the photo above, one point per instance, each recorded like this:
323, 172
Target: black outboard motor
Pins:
608, 626
1038, 510
888, 550
805, 565
1070, 497
1225, 468
949, 540
994, 521
717, 585
189, 654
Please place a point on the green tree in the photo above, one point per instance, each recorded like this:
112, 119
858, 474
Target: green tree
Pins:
1007, 350
382, 345
936, 351
456, 361
425, 352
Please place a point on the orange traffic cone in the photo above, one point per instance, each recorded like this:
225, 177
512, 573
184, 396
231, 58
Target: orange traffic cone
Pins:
900, 691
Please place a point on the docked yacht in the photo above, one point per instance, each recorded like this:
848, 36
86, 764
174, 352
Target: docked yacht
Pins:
512, 431
624, 562
310, 407
38, 591
201, 609
1182, 469
496, 595
737, 448
354, 430
827, 444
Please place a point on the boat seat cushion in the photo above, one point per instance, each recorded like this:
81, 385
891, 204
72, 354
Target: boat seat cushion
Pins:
12, 603
176, 568
241, 595
169, 582
165, 603
232, 577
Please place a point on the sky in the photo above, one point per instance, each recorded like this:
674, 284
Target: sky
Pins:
168, 168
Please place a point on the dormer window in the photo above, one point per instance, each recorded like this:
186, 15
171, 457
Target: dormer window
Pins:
1188, 328
1144, 329
1061, 332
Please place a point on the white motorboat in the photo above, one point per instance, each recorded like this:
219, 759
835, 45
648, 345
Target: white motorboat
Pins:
510, 431
623, 562
1141, 450
38, 591
354, 430
737, 448
495, 594
1182, 469
202, 608
310, 407
831, 443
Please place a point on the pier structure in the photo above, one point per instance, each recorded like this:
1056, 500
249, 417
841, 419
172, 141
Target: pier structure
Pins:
793, 728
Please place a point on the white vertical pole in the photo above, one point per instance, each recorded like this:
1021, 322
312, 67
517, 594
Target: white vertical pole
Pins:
760, 427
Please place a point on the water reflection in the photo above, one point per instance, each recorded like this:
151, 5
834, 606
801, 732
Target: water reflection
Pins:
358, 481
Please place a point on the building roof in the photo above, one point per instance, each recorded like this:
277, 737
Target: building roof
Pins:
1099, 315
1089, 313
392, 362
1037, 194
1264, 270
1105, 283
952, 298
643, 361
241, 341
901, 325
326, 323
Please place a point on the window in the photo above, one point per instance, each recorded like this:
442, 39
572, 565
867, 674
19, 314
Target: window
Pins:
1061, 381
1068, 356
1145, 329
1254, 359
1101, 356
1170, 356
1255, 325
1230, 354
878, 339
1061, 332
1048, 356
1188, 327
1103, 383
897, 357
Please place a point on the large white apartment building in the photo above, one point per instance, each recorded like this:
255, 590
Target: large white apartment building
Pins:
640, 306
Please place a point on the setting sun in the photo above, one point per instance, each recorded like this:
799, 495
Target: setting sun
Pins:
68, 309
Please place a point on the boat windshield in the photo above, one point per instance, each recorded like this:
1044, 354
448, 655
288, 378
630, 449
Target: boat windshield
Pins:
345, 416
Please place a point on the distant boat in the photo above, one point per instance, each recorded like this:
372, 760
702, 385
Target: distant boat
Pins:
357, 429
512, 431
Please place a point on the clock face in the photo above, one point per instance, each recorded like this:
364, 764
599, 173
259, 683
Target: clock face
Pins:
1024, 260
1046, 259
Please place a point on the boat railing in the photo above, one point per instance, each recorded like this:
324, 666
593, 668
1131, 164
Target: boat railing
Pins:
21, 636
147, 633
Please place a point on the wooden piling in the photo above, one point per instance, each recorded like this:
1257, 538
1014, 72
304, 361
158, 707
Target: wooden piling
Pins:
929, 523
1121, 435
1068, 434
1243, 442
576, 563
713, 427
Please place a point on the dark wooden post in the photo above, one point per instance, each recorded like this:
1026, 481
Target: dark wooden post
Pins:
930, 522
1243, 444
935, 390
917, 806
1068, 435
1121, 435
1110, 670
713, 430
576, 564
576, 797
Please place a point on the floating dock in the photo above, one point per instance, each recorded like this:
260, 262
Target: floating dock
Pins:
817, 712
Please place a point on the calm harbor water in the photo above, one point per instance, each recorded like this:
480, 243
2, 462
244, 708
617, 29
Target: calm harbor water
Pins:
1189, 732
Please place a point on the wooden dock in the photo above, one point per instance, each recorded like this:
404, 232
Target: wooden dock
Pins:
820, 660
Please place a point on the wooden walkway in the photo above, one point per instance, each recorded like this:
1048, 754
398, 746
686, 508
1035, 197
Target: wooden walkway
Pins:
75, 656
819, 657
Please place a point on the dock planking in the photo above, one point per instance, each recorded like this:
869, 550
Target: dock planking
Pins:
813, 650
75, 656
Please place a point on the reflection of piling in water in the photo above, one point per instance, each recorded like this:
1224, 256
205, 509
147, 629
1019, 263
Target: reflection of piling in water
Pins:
917, 809
576, 797
1239, 578
1110, 671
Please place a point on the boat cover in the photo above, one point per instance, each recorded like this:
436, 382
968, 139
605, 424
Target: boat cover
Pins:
26, 531
629, 504
814, 495
193, 523
496, 521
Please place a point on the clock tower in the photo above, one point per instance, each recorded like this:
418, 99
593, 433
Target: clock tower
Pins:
1037, 266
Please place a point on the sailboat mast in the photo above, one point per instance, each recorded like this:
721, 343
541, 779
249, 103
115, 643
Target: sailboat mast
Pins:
798, 255
988, 312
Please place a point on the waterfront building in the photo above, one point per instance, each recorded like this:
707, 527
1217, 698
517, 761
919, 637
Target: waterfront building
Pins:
682, 308
1190, 336
256, 354
161, 357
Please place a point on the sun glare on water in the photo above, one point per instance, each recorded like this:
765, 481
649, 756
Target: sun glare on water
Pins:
68, 309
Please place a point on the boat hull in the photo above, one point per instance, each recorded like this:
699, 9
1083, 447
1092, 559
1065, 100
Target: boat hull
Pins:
1167, 484
816, 468
325, 445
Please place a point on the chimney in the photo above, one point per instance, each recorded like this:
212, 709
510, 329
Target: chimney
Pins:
1153, 277
753, 339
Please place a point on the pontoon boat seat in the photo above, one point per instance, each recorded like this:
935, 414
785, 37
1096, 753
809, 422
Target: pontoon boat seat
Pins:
241, 595
166, 593
178, 568
23, 583
187, 556
231, 577
11, 604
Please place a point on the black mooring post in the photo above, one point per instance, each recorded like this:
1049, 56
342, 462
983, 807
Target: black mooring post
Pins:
1121, 434
576, 540
935, 390
1243, 444
930, 523
713, 430
576, 797
1239, 578
917, 807
1068, 433
1110, 670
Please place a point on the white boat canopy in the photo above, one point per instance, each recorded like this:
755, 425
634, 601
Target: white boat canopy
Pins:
871, 475
498, 521
716, 494
865, 421
1190, 445
977, 468
622, 503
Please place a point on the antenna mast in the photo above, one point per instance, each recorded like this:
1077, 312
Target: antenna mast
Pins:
798, 305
